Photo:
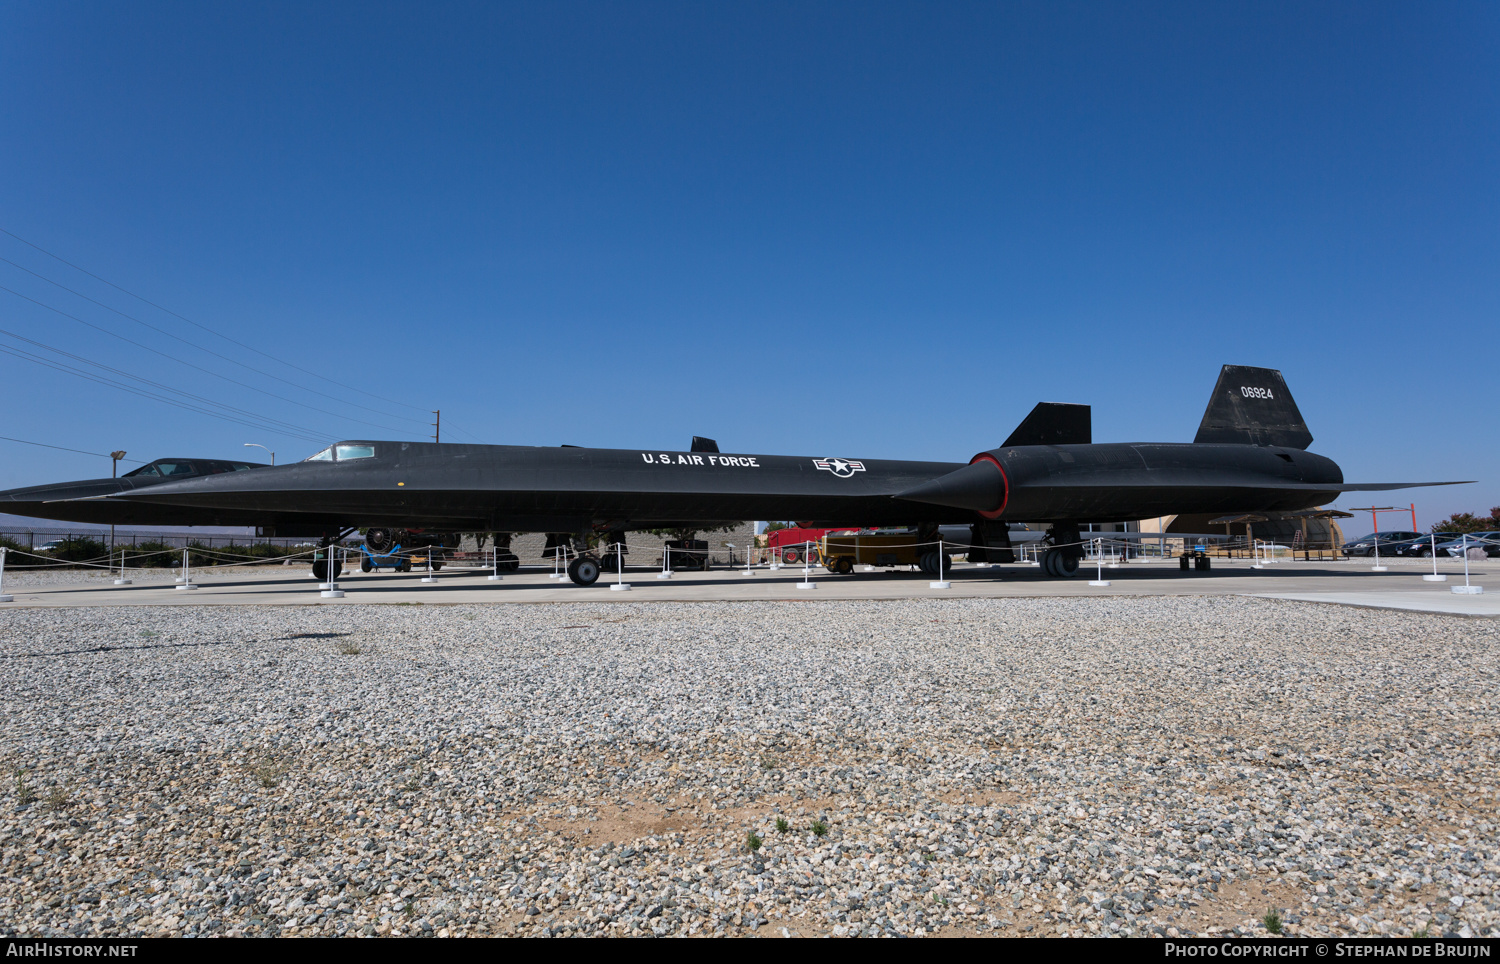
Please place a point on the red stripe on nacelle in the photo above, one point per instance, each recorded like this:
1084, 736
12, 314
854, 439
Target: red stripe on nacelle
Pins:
1004, 483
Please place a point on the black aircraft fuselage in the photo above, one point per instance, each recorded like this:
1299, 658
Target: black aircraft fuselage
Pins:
83, 501
526, 489
1250, 455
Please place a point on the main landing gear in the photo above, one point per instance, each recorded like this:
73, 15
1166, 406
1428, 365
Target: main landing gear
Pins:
1059, 563
1199, 558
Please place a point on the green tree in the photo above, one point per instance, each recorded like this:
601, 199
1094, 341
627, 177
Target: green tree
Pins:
1469, 522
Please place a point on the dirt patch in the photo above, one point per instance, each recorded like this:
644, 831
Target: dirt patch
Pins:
972, 797
1244, 901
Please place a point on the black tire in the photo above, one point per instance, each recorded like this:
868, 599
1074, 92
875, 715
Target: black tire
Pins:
405, 565
846, 565
1066, 566
1426, 553
584, 571
365, 565
1049, 563
791, 556
509, 562
320, 569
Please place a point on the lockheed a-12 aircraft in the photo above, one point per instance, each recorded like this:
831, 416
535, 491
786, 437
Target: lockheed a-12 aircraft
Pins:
1250, 455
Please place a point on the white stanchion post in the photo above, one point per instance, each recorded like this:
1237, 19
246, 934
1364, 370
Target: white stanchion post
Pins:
1099, 564
620, 584
941, 583
187, 576
3, 597
1435, 576
775, 563
1466, 589
1257, 564
429, 577
494, 576
749, 549
807, 582
331, 588
122, 581
666, 563
1377, 567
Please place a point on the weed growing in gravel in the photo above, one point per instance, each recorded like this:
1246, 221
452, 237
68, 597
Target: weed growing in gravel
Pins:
1426, 930
1272, 920
267, 770
57, 798
753, 841
347, 648
819, 828
24, 794
414, 781
781, 825
769, 763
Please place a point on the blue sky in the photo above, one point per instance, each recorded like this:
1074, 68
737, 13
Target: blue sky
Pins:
832, 229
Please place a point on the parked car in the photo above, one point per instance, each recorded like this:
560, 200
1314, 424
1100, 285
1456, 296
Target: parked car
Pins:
1365, 546
1488, 541
50, 546
1420, 546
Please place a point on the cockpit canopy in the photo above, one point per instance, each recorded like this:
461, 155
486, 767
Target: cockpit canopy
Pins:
188, 468
344, 452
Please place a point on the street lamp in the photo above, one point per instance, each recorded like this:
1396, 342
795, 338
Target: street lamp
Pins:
259, 446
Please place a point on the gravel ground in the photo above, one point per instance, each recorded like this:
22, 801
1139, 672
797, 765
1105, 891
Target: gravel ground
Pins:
1118, 765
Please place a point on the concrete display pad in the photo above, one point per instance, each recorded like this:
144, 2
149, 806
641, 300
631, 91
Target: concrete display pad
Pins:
1330, 582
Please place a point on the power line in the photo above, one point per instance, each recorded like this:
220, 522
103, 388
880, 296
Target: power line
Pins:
261, 421
63, 448
186, 363
211, 331
191, 344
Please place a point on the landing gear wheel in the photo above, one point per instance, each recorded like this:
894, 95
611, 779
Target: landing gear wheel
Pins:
1058, 564
927, 562
584, 571
320, 569
509, 562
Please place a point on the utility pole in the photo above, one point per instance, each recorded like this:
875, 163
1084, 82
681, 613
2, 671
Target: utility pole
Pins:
437, 425
114, 473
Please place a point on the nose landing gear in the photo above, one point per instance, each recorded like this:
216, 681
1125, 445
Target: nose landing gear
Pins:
584, 571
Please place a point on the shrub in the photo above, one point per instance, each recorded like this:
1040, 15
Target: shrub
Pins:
81, 550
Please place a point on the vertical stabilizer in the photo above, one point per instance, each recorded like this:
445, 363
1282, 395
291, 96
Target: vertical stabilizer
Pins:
1054, 423
1251, 406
